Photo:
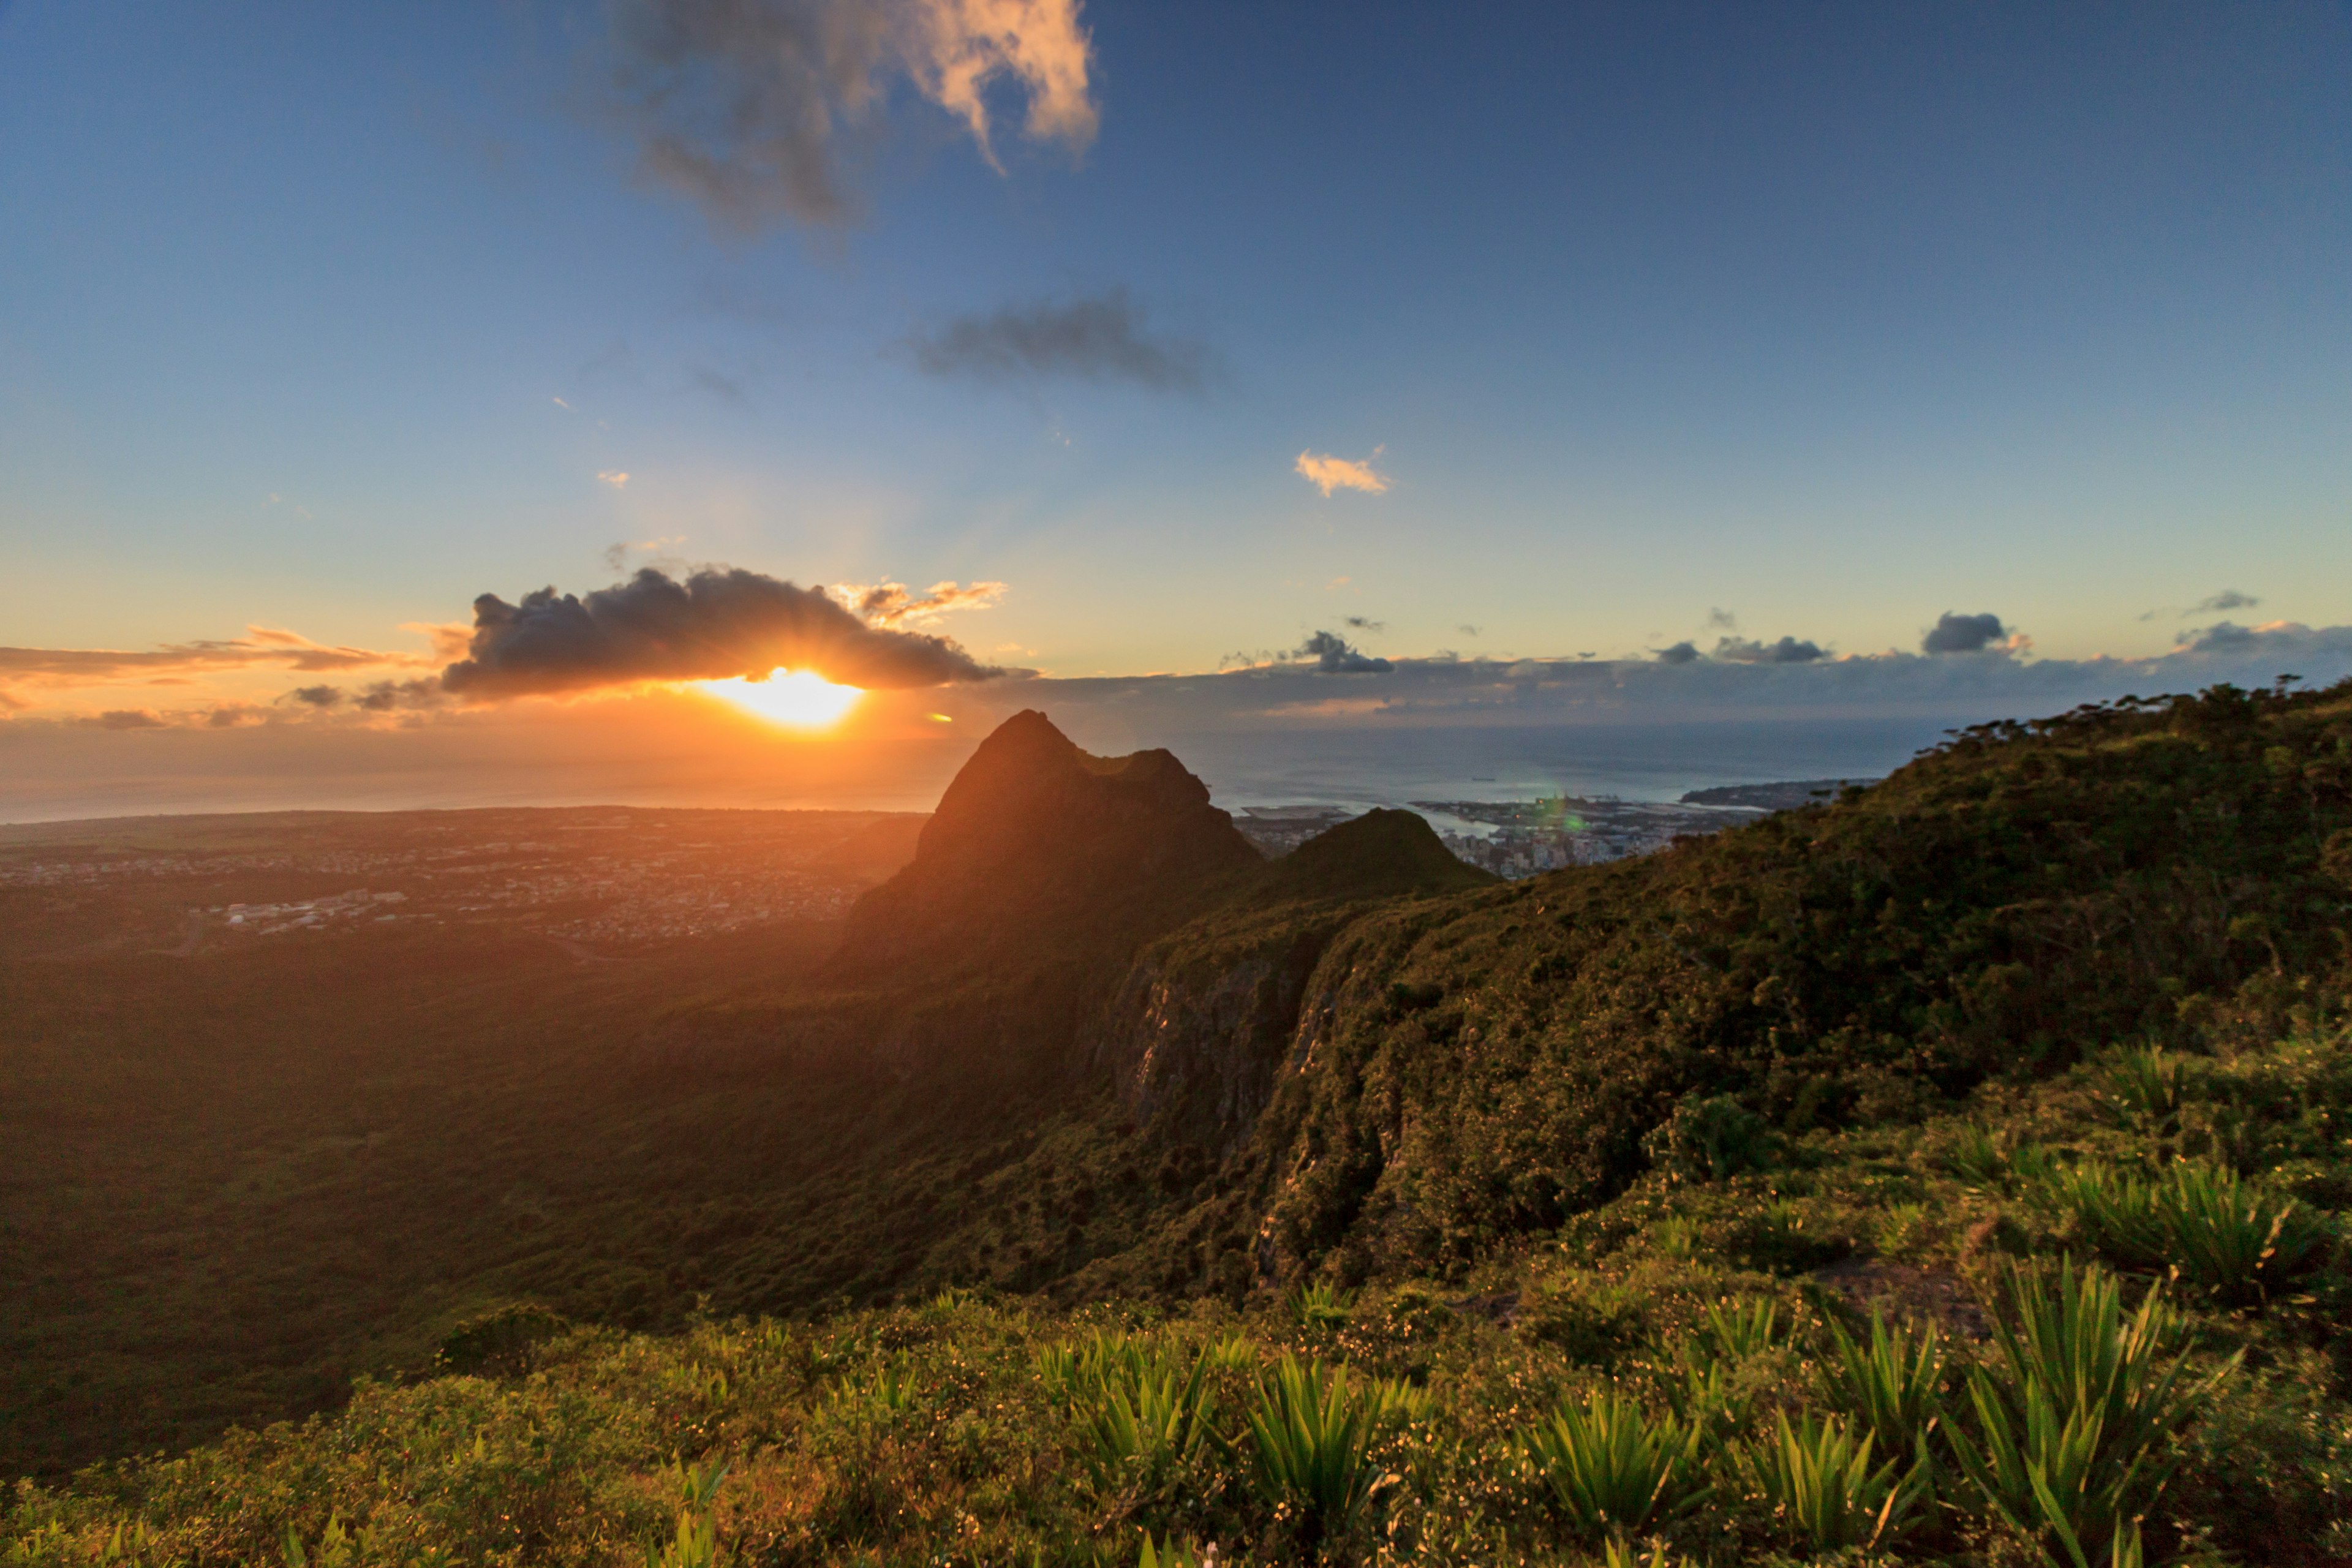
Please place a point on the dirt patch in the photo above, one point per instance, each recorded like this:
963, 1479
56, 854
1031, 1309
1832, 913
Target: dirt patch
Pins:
1905, 1290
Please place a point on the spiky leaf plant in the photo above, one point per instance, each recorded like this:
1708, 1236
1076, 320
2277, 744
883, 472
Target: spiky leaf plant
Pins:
2076, 1412
1818, 1477
1312, 1428
2145, 1087
1612, 1467
2218, 1232
1892, 1385
1144, 1418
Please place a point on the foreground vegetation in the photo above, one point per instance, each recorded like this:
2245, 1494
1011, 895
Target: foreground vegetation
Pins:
2095, 1320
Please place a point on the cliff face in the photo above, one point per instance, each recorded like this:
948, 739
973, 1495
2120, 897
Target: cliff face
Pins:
1204, 1022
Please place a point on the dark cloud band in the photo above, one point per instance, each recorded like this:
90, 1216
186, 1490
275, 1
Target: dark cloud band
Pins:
1100, 338
716, 624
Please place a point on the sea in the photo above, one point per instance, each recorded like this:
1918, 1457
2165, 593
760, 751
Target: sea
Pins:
1650, 761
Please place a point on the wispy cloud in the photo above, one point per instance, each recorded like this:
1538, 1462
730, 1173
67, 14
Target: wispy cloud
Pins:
615, 477
1100, 338
894, 604
750, 107
2217, 603
260, 645
1329, 473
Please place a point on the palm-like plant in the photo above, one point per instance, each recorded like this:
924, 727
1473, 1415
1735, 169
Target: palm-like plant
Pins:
1146, 1419
2075, 1416
1313, 1428
1818, 1476
1735, 1333
1612, 1468
1894, 1385
2219, 1232
2145, 1085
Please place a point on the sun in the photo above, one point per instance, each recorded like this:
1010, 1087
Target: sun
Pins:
799, 698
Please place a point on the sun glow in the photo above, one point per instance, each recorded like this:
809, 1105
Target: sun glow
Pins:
799, 698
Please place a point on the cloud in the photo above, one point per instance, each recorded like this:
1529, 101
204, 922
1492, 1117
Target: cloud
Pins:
614, 478
716, 624
260, 645
1365, 624
1466, 629
747, 107
892, 606
315, 696
1681, 653
124, 719
2227, 599
1743, 650
2229, 638
1722, 620
1962, 634
1100, 338
1332, 656
1329, 473
725, 388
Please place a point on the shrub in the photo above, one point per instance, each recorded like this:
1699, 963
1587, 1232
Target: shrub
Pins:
501, 1343
1818, 1480
2077, 1412
1313, 1428
1319, 1307
1612, 1467
1707, 1140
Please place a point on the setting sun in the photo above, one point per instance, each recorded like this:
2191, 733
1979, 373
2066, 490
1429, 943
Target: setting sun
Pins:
799, 698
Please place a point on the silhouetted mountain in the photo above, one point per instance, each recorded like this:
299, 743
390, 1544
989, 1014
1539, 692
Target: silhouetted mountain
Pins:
1383, 854
1042, 852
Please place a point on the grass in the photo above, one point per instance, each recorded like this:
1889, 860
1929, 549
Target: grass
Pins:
1419, 1430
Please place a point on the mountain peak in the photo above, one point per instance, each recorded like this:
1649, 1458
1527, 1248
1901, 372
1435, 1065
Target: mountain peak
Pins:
1038, 844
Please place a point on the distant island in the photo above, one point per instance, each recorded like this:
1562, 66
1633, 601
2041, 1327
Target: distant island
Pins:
1785, 796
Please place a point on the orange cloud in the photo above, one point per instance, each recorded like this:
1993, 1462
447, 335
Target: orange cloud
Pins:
1329, 473
963, 45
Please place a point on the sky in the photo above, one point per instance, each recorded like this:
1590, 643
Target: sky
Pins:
1227, 367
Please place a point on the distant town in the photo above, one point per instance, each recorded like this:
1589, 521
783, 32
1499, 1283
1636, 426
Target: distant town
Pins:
1525, 838
600, 880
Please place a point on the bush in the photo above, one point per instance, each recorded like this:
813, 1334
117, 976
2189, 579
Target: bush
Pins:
1612, 1467
501, 1343
1707, 1140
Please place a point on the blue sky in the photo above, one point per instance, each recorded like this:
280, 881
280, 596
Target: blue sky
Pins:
1831, 318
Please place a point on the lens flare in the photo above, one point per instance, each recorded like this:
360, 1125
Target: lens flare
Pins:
801, 698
